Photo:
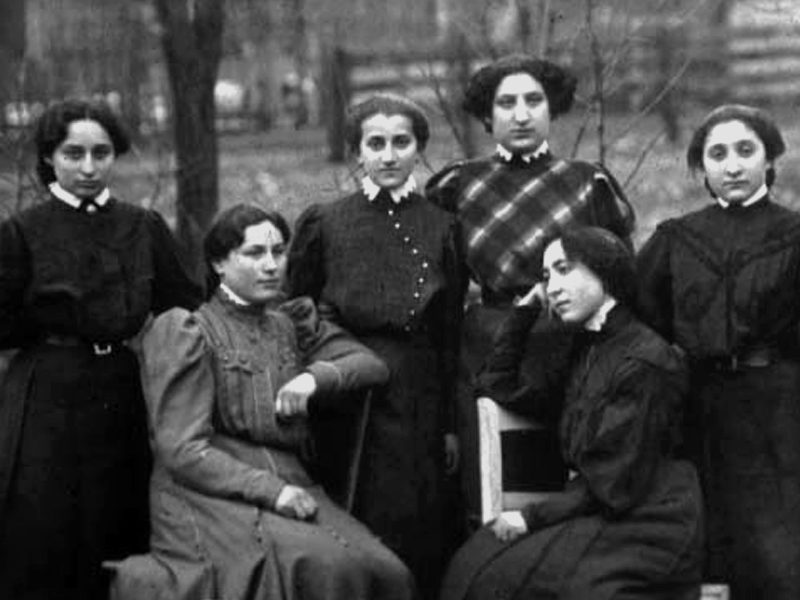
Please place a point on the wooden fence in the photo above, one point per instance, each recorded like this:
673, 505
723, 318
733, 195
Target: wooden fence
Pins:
659, 67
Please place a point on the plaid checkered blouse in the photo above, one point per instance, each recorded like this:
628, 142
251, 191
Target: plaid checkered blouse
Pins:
508, 210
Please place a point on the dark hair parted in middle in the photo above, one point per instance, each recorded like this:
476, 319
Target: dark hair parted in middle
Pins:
606, 256
756, 119
386, 104
227, 233
557, 82
53, 126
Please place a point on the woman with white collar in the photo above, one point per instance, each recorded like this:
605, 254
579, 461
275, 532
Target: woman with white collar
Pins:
509, 203
628, 522
723, 282
80, 273
382, 263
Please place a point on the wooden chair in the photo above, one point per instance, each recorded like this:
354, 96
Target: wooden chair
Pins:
338, 445
499, 492
502, 434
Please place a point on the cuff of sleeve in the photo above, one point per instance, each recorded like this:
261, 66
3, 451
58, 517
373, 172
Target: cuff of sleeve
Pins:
530, 516
264, 489
326, 375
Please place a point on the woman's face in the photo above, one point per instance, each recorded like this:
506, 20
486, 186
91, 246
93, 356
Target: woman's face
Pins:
388, 149
254, 271
520, 114
574, 292
82, 161
734, 161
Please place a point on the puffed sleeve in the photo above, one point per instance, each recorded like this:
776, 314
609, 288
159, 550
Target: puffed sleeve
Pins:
305, 271
620, 454
443, 188
178, 378
337, 361
654, 278
539, 395
172, 285
15, 276
611, 208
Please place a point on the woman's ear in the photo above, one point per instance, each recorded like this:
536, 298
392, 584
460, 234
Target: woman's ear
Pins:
48, 160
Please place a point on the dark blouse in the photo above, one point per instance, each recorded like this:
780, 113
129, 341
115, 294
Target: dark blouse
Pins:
384, 269
508, 210
95, 276
722, 281
617, 400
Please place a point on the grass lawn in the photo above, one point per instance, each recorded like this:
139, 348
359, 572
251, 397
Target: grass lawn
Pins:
287, 170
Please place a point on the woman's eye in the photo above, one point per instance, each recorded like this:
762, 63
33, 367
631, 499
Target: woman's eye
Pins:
279, 250
534, 99
73, 153
402, 141
746, 149
716, 153
376, 143
101, 153
505, 102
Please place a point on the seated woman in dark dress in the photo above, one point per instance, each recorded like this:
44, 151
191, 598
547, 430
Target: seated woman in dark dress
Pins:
723, 282
234, 512
628, 523
382, 262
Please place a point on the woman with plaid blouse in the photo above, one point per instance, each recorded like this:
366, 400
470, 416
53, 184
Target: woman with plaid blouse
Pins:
508, 203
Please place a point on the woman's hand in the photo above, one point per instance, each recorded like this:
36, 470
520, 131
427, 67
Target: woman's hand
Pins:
537, 293
509, 526
292, 399
452, 453
296, 503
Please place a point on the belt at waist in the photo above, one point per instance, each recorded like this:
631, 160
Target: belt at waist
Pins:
73, 341
742, 359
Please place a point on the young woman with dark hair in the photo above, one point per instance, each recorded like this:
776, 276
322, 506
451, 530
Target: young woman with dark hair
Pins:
80, 273
723, 283
382, 262
628, 522
229, 389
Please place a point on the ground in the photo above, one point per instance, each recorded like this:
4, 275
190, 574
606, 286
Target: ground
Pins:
287, 170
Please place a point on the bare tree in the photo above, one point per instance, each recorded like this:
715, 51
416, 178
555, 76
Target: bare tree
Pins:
192, 42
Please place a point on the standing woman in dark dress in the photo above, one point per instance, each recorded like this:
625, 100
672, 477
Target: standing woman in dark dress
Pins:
382, 263
79, 275
509, 203
723, 282
628, 523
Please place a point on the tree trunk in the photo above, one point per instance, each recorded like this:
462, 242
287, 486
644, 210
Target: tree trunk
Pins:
192, 42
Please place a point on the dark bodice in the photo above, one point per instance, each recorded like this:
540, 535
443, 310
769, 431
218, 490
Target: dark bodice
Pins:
94, 276
383, 268
617, 401
721, 281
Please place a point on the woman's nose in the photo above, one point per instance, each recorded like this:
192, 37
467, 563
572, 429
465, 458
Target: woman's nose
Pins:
389, 154
269, 263
521, 112
87, 164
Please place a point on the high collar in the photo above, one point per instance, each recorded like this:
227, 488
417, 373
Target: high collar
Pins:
615, 319
527, 158
758, 195
72, 200
371, 189
235, 304
598, 319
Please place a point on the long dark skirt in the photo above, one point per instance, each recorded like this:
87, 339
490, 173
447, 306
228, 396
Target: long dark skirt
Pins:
402, 487
654, 552
76, 476
749, 432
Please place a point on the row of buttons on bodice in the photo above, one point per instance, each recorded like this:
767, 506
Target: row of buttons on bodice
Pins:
424, 265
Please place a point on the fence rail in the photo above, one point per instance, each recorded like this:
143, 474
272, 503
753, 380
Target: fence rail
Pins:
742, 64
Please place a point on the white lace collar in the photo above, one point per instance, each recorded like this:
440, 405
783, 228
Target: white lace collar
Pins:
371, 189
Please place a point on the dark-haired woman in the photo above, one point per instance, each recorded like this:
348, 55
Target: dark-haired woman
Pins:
628, 523
229, 389
79, 275
382, 261
723, 283
508, 204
